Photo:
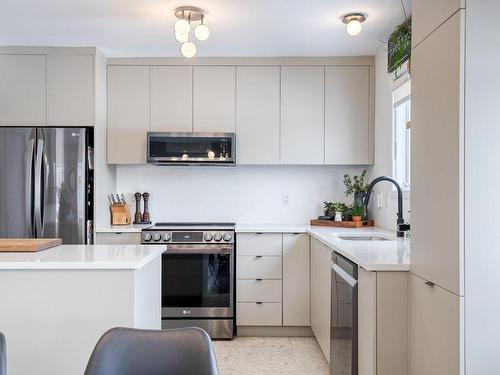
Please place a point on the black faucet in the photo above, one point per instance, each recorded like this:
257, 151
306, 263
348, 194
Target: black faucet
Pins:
402, 227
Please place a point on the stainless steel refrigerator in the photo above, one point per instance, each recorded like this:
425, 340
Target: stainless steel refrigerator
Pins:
46, 183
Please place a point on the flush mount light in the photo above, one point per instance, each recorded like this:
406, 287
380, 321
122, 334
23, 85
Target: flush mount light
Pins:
186, 15
353, 23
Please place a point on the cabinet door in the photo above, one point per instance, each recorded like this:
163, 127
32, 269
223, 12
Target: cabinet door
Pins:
435, 330
128, 114
22, 90
296, 283
429, 14
257, 114
214, 98
171, 98
437, 139
302, 115
321, 261
70, 90
347, 115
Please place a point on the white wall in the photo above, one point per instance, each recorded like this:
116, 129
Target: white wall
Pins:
244, 194
384, 216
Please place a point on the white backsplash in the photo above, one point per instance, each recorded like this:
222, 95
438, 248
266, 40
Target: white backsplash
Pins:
244, 194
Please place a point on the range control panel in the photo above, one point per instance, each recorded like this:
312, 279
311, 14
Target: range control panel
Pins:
168, 236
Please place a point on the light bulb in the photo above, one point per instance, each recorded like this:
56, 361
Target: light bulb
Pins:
201, 32
181, 37
182, 26
188, 49
353, 27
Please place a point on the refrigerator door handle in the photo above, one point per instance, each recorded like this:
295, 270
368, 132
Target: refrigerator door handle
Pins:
29, 186
38, 187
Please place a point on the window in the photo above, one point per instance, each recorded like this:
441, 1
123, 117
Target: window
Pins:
402, 134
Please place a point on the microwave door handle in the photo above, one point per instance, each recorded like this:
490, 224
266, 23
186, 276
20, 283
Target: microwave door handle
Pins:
344, 276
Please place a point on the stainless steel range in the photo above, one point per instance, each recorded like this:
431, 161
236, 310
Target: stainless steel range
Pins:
197, 275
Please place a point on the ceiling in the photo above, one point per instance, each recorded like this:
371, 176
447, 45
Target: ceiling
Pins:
123, 28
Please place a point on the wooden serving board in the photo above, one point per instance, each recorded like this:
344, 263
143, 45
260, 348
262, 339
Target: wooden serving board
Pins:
342, 224
27, 244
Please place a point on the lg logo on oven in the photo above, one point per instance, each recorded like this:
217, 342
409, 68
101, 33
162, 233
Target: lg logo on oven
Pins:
186, 312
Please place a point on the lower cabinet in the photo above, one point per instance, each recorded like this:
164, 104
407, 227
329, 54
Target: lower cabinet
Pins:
272, 279
321, 261
435, 328
296, 280
383, 310
118, 238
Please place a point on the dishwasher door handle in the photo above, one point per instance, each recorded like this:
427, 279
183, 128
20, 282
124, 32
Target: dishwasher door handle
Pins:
344, 275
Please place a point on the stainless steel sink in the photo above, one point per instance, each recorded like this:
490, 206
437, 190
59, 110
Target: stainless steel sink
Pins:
364, 238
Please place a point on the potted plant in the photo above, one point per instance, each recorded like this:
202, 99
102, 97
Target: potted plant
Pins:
339, 209
329, 209
356, 187
357, 211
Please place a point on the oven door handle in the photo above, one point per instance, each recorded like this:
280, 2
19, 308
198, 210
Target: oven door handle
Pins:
175, 249
344, 276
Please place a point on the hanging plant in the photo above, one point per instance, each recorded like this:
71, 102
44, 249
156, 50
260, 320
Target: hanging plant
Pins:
399, 46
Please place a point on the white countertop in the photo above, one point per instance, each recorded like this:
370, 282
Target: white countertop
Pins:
66, 257
389, 255
132, 228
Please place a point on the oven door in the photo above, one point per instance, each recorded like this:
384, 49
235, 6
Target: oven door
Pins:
197, 281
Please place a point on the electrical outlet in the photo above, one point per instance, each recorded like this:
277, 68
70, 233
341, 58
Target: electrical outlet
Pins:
379, 200
285, 199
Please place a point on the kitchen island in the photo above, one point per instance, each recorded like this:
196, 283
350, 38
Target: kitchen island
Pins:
56, 303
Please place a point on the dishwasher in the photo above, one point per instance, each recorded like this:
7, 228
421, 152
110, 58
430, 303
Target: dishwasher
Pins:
344, 317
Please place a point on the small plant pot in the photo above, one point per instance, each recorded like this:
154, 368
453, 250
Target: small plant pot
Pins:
356, 218
338, 216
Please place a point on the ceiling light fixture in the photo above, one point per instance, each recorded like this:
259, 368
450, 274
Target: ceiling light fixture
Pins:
353, 23
182, 27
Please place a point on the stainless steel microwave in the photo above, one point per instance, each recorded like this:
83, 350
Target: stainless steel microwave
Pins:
191, 148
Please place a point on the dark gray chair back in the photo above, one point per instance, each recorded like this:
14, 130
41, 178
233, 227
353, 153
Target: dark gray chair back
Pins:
125, 351
3, 355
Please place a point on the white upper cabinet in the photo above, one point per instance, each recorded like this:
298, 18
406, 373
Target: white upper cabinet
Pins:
171, 98
128, 114
302, 115
70, 90
429, 14
214, 98
347, 115
23, 90
437, 181
257, 114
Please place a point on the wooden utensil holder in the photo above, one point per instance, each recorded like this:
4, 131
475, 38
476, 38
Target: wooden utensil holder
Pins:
120, 214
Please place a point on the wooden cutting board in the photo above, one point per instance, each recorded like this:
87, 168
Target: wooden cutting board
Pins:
342, 224
28, 244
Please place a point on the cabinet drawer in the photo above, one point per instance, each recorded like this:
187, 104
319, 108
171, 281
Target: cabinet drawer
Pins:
259, 244
258, 290
254, 314
435, 330
258, 267
118, 238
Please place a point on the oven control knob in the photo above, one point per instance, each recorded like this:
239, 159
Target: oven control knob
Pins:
165, 237
156, 237
227, 237
208, 236
146, 236
217, 236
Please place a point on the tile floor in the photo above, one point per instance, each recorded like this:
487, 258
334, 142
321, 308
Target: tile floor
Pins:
271, 356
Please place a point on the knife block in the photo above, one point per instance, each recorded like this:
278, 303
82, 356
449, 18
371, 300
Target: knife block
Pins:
120, 214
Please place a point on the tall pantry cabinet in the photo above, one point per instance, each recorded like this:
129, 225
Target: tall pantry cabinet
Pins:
454, 177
